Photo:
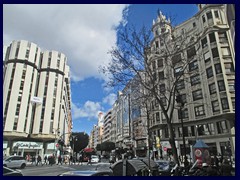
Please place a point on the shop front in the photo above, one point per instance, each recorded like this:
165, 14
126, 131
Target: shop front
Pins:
24, 148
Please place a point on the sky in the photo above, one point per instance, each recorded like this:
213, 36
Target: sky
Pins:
84, 33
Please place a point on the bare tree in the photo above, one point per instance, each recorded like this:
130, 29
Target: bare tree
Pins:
137, 58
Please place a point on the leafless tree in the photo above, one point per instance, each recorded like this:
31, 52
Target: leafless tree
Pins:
135, 57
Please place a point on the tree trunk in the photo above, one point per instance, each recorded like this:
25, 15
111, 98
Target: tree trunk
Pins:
173, 145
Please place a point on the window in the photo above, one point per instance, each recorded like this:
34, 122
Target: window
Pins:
222, 37
178, 71
218, 68
209, 72
164, 101
160, 62
193, 65
194, 24
212, 88
209, 15
207, 57
204, 42
203, 19
191, 52
27, 53
229, 68
224, 102
58, 63
231, 85
221, 85
157, 44
17, 110
215, 52
222, 127
195, 79
199, 110
161, 75
212, 37
215, 106
183, 113
180, 85
216, 14
226, 51
162, 88
177, 58
49, 62
183, 97
197, 94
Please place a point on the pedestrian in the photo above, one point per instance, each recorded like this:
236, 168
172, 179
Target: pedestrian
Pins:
89, 160
80, 160
59, 159
203, 171
70, 160
39, 160
45, 159
226, 168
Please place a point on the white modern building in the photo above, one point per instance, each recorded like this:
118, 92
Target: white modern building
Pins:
36, 99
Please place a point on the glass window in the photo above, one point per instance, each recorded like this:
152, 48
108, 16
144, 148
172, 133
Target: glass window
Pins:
193, 65
215, 106
215, 52
212, 37
191, 52
178, 71
229, 68
154, 65
209, 15
194, 24
180, 84
218, 68
27, 53
161, 75
222, 127
197, 94
199, 110
231, 85
216, 14
212, 88
224, 102
177, 58
203, 19
209, 72
183, 113
221, 85
204, 42
195, 79
207, 57
226, 51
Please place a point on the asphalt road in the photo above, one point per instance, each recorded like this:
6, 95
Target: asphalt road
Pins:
54, 170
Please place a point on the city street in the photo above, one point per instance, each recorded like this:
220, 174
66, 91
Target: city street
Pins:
47, 170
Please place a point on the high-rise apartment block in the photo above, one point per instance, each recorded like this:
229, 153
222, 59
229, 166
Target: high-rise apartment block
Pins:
36, 99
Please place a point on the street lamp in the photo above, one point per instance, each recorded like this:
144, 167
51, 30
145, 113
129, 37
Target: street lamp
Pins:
74, 139
179, 100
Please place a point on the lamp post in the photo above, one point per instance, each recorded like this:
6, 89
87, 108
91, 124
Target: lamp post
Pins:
181, 103
73, 141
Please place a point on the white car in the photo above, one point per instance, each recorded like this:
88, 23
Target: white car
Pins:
15, 162
95, 159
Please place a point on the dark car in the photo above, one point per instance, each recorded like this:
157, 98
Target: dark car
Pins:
10, 172
87, 173
165, 167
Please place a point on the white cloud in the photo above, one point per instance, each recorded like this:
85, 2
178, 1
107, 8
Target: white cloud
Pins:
88, 110
83, 32
110, 99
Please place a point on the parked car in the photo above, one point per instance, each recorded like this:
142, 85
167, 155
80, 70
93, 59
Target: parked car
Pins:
87, 173
10, 172
95, 159
15, 162
165, 167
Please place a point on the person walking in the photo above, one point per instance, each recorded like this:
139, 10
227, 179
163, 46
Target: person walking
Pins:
33, 159
89, 160
226, 168
80, 160
45, 159
59, 160
39, 160
70, 160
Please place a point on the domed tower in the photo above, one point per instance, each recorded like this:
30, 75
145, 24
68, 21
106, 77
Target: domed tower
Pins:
162, 30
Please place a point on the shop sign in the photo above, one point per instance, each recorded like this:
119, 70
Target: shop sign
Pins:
27, 145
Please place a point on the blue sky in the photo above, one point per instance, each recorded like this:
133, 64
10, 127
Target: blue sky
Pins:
84, 33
